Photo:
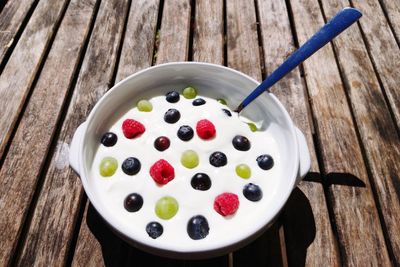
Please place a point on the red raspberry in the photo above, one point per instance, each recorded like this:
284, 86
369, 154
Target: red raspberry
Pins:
226, 204
162, 172
132, 128
205, 129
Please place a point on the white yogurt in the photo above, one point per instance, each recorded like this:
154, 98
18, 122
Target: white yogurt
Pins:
113, 190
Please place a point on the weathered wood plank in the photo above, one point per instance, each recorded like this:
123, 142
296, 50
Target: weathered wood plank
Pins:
242, 41
377, 130
392, 9
96, 244
354, 210
17, 78
174, 32
244, 55
11, 18
53, 220
321, 249
208, 37
384, 51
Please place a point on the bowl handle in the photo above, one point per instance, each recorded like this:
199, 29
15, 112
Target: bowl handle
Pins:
304, 156
74, 148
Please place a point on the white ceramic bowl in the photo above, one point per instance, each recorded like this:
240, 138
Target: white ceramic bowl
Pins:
217, 82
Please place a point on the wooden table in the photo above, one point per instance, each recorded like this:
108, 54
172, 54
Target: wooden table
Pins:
58, 57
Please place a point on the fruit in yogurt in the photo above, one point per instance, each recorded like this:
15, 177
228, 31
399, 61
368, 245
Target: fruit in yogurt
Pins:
252, 127
161, 143
109, 139
131, 166
243, 171
172, 115
252, 192
241, 143
265, 162
226, 204
144, 106
222, 101
201, 181
108, 166
198, 102
132, 128
189, 92
185, 133
154, 229
205, 129
162, 172
166, 207
197, 227
218, 159
133, 202
172, 97
190, 159
227, 112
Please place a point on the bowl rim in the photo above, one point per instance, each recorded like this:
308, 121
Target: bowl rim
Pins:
221, 246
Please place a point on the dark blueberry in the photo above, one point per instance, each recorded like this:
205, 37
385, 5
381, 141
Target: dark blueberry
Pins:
154, 229
227, 112
265, 162
197, 227
109, 139
133, 202
172, 97
185, 133
218, 159
131, 166
201, 181
198, 102
161, 143
241, 143
172, 115
252, 192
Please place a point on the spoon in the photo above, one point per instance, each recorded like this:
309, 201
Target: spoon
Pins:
341, 21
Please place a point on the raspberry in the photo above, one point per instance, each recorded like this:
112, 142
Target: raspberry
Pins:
132, 128
162, 172
226, 204
205, 129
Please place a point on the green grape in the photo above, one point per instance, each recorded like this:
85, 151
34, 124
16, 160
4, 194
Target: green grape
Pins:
144, 105
244, 171
252, 127
190, 159
166, 207
222, 101
108, 166
189, 92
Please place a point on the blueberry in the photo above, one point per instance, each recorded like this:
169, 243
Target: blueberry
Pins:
197, 227
241, 143
265, 162
172, 97
172, 115
252, 192
185, 133
161, 143
218, 159
227, 112
201, 181
109, 139
154, 229
131, 166
198, 102
133, 202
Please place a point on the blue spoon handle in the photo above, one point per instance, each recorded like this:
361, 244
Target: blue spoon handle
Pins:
330, 30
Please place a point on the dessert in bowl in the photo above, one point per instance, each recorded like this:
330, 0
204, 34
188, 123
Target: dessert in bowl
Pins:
175, 171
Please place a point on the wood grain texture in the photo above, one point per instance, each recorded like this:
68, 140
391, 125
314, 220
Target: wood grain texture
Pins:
354, 210
53, 220
16, 78
392, 9
371, 113
242, 41
208, 36
137, 49
308, 231
174, 32
11, 18
384, 50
